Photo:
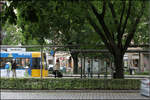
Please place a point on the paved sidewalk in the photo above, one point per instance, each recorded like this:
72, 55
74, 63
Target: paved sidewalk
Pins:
72, 94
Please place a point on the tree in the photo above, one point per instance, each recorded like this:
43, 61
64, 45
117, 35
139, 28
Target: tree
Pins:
47, 19
116, 22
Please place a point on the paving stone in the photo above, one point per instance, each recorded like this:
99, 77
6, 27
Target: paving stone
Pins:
71, 95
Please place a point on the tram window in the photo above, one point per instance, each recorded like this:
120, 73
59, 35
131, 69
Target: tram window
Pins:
35, 63
19, 65
22, 62
27, 62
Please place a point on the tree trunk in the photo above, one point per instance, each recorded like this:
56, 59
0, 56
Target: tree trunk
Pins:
75, 59
119, 71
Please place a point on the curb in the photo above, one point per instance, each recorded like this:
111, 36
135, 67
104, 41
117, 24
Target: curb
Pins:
83, 91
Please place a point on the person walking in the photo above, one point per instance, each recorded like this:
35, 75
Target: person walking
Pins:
89, 69
7, 67
14, 66
57, 68
10, 67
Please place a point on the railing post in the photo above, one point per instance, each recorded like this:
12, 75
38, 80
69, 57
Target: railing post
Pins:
139, 63
81, 67
99, 67
91, 67
84, 68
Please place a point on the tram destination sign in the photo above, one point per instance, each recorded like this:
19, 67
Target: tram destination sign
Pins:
16, 49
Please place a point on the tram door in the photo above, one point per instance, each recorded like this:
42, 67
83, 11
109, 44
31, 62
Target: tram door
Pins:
36, 65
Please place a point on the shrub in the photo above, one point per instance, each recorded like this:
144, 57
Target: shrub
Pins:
143, 73
72, 83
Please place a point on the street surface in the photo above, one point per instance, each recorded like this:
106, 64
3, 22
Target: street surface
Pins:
64, 94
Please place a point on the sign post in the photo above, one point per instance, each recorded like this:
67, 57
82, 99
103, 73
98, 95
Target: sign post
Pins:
52, 53
41, 61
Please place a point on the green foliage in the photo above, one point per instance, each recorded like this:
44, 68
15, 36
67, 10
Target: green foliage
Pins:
62, 21
12, 35
67, 84
66, 20
136, 6
126, 73
142, 35
137, 73
142, 73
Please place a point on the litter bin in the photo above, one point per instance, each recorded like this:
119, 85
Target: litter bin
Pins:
145, 87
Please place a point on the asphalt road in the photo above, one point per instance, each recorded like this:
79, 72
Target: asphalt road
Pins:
71, 95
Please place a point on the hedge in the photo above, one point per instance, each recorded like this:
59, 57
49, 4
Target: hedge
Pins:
69, 84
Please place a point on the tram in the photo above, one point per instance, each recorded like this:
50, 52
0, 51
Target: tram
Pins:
30, 61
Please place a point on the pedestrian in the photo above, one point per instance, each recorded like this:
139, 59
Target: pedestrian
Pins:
7, 67
89, 69
130, 70
57, 68
10, 66
14, 66
26, 70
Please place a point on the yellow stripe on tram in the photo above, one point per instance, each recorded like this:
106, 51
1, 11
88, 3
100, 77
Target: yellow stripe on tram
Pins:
36, 54
37, 73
